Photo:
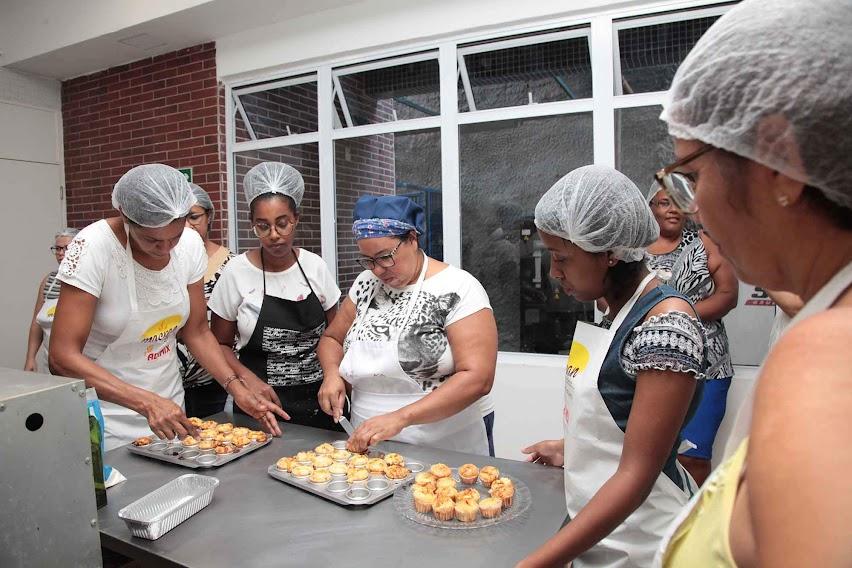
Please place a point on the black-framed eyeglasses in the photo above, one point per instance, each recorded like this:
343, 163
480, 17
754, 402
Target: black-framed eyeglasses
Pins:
679, 186
195, 219
283, 227
56, 249
385, 260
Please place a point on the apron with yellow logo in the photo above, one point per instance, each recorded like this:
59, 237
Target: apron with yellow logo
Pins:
593, 445
144, 355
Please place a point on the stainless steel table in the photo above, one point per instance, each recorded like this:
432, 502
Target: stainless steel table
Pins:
255, 520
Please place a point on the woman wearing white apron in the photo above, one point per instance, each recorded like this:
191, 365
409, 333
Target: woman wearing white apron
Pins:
45, 307
763, 142
629, 386
415, 340
130, 284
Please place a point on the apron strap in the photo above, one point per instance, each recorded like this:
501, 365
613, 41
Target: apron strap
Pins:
625, 309
305, 276
131, 272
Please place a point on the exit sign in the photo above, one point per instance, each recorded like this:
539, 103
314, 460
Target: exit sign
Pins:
187, 173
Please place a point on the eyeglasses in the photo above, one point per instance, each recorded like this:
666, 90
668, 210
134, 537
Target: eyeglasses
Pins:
283, 227
58, 249
680, 186
196, 218
664, 204
385, 261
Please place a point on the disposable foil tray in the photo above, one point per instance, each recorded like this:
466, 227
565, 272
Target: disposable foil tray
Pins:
163, 509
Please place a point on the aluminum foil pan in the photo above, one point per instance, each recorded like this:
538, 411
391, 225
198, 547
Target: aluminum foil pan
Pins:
163, 509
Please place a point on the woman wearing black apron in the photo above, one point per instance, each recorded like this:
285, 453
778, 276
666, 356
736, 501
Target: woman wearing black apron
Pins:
277, 299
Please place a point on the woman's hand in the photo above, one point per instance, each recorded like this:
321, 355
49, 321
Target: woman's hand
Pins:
547, 452
166, 418
30, 365
257, 407
331, 395
260, 388
375, 430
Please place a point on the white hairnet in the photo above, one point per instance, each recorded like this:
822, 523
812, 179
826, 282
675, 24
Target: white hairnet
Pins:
773, 70
598, 209
153, 195
274, 177
202, 199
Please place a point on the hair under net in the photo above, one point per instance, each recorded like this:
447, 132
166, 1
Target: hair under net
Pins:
598, 209
153, 195
771, 71
274, 177
203, 200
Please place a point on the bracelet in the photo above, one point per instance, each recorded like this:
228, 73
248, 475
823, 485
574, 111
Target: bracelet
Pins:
231, 379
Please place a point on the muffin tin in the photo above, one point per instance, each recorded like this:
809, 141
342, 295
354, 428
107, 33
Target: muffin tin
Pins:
174, 452
339, 490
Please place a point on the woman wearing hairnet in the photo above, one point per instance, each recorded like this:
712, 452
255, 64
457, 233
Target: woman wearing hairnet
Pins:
129, 284
760, 116
45, 306
630, 386
277, 298
203, 395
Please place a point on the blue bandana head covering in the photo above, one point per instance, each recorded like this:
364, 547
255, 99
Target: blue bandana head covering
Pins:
386, 216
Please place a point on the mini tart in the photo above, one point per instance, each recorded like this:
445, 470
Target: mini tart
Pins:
415, 489
322, 461
359, 461
469, 494
338, 468
189, 441
376, 466
424, 477
447, 492
341, 455
504, 490
468, 473
143, 441
259, 437
209, 425
445, 482
240, 431
397, 472
320, 476
466, 511
301, 470
423, 501
225, 428
490, 507
394, 459
284, 464
207, 444
305, 457
357, 474
241, 441
224, 438
208, 434
324, 449
195, 421
440, 470
222, 450
444, 509
488, 474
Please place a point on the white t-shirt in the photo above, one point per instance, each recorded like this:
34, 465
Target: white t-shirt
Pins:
446, 297
96, 263
238, 294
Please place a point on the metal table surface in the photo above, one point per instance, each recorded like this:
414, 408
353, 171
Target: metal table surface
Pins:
255, 520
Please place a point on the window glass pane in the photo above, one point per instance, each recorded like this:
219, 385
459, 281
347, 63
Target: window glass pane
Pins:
279, 112
305, 158
406, 163
539, 73
650, 55
505, 167
389, 94
642, 144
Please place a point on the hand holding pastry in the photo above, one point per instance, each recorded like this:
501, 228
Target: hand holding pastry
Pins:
166, 418
546, 452
375, 430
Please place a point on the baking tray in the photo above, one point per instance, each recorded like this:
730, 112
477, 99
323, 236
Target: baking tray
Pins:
358, 493
163, 509
174, 452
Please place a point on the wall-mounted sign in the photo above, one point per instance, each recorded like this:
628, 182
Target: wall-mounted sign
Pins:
187, 173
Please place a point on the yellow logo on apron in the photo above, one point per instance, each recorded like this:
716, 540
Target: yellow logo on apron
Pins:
51, 311
578, 358
161, 330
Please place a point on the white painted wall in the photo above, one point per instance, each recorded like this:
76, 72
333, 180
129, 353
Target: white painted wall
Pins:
31, 174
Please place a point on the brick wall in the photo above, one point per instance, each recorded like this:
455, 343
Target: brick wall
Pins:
167, 109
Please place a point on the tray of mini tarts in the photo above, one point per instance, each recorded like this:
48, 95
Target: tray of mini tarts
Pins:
367, 486
176, 452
